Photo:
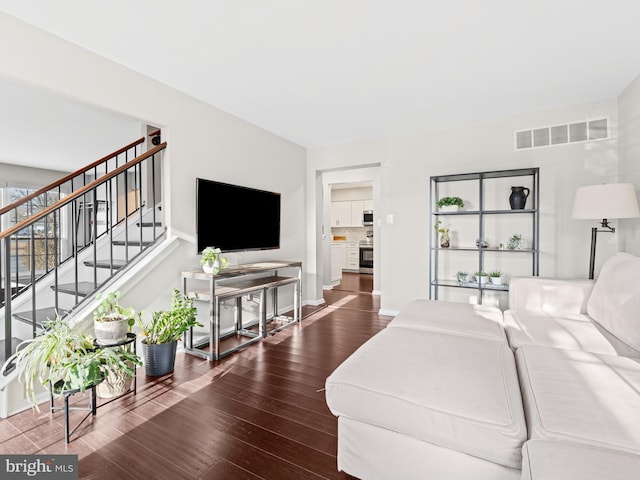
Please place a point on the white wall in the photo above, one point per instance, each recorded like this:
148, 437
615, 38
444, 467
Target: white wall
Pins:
409, 160
629, 149
202, 141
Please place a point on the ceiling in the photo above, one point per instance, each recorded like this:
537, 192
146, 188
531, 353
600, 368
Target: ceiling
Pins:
332, 71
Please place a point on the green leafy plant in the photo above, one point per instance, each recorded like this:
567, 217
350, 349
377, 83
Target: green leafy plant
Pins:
110, 309
211, 254
64, 358
496, 274
515, 242
450, 201
481, 274
439, 228
168, 325
462, 276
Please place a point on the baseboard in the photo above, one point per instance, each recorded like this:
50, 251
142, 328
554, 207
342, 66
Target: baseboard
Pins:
313, 303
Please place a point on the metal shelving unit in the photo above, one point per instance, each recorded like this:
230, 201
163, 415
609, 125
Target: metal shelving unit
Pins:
481, 214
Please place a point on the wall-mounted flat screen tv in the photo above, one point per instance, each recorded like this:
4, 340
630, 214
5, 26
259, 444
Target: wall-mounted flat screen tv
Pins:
235, 218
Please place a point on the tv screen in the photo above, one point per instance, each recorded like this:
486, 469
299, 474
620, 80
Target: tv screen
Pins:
234, 218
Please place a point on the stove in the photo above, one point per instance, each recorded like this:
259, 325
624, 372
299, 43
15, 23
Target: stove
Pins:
366, 254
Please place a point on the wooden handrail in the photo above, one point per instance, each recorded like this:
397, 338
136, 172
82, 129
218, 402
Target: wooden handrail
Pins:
68, 177
78, 193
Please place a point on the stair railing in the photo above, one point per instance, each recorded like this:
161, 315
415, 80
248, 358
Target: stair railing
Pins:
114, 198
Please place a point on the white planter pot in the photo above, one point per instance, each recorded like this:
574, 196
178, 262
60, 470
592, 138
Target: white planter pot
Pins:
211, 267
482, 279
115, 383
449, 208
496, 280
111, 332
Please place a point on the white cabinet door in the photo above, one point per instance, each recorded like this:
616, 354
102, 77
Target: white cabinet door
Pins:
338, 259
357, 207
368, 205
340, 214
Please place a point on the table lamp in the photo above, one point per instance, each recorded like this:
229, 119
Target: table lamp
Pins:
613, 200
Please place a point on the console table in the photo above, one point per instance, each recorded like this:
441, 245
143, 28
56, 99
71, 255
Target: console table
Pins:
235, 282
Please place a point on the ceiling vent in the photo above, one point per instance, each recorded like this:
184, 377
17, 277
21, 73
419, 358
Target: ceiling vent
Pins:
585, 131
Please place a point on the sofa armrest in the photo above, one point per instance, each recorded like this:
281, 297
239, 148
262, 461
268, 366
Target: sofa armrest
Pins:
549, 295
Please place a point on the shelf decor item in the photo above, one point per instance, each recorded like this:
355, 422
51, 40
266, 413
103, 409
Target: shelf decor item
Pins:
445, 239
515, 242
518, 197
163, 331
111, 321
211, 260
496, 277
482, 277
450, 204
462, 277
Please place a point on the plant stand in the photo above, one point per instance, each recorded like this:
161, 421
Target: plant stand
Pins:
90, 408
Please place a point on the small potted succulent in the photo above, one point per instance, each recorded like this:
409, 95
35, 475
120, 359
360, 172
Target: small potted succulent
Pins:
111, 321
211, 260
482, 277
462, 277
450, 204
496, 277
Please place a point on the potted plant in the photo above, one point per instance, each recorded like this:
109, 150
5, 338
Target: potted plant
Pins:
211, 260
445, 239
111, 321
163, 331
64, 358
450, 204
515, 242
462, 277
496, 277
482, 277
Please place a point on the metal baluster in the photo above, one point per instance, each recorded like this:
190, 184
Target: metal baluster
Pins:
153, 194
7, 299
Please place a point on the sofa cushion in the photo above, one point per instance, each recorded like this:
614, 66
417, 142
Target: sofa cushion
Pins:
454, 318
454, 391
551, 460
524, 327
615, 300
580, 396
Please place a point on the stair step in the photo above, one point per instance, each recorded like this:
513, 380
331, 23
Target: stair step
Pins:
84, 288
42, 314
149, 224
131, 243
14, 344
106, 263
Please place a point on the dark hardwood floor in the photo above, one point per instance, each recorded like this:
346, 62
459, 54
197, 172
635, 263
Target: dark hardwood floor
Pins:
257, 414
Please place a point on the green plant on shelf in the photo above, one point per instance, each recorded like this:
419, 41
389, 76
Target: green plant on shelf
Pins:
449, 202
515, 242
496, 274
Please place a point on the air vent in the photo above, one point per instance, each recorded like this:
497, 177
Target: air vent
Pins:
583, 131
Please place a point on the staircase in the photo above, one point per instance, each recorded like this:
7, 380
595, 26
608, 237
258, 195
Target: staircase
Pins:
104, 219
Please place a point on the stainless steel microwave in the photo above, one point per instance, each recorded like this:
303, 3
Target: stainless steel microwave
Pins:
367, 217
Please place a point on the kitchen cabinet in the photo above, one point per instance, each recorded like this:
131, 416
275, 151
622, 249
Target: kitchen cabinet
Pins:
349, 213
338, 260
341, 214
357, 207
352, 257
486, 235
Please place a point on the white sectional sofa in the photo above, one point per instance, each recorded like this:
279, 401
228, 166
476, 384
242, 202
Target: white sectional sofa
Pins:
548, 390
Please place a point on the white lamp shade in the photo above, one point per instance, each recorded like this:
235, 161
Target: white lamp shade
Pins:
613, 200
